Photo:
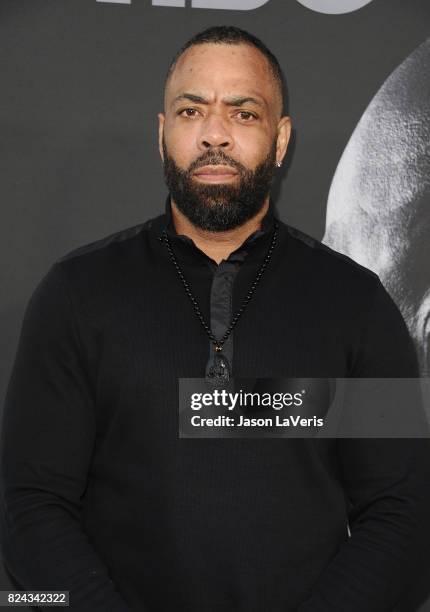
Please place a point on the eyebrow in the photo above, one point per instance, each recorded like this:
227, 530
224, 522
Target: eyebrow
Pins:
232, 101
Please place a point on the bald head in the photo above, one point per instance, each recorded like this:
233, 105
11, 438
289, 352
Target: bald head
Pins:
230, 35
211, 61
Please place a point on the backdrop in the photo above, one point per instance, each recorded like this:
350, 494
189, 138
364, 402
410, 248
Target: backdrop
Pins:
81, 86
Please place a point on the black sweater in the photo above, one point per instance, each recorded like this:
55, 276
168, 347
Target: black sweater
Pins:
101, 497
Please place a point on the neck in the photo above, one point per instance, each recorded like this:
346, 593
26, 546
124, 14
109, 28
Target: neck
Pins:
217, 245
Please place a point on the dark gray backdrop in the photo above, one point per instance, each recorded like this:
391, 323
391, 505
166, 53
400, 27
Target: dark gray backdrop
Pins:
81, 85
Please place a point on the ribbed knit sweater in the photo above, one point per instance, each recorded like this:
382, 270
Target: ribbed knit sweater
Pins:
101, 497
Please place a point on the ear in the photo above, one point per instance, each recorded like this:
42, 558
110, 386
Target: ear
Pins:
160, 134
284, 134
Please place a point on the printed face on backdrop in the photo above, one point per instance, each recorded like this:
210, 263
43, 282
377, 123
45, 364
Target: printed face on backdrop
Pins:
378, 209
221, 133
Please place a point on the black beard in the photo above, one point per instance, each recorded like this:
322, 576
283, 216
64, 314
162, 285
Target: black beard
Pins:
219, 207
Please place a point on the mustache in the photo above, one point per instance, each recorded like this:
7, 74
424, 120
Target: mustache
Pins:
215, 159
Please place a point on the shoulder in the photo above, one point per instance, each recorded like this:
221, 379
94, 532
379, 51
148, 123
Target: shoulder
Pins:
108, 260
116, 244
318, 259
123, 238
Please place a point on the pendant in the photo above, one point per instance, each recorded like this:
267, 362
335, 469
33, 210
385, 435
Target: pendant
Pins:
218, 370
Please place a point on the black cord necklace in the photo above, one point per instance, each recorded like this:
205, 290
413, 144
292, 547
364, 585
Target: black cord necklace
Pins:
220, 371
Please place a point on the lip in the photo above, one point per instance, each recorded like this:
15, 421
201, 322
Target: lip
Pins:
215, 174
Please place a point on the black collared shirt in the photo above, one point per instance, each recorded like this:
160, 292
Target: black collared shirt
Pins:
101, 497
223, 277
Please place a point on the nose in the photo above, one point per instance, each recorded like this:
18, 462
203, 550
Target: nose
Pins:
215, 134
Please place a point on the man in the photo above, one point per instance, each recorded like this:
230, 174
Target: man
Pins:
100, 495
378, 211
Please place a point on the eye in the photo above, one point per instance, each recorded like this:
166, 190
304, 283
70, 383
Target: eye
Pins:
188, 112
248, 116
